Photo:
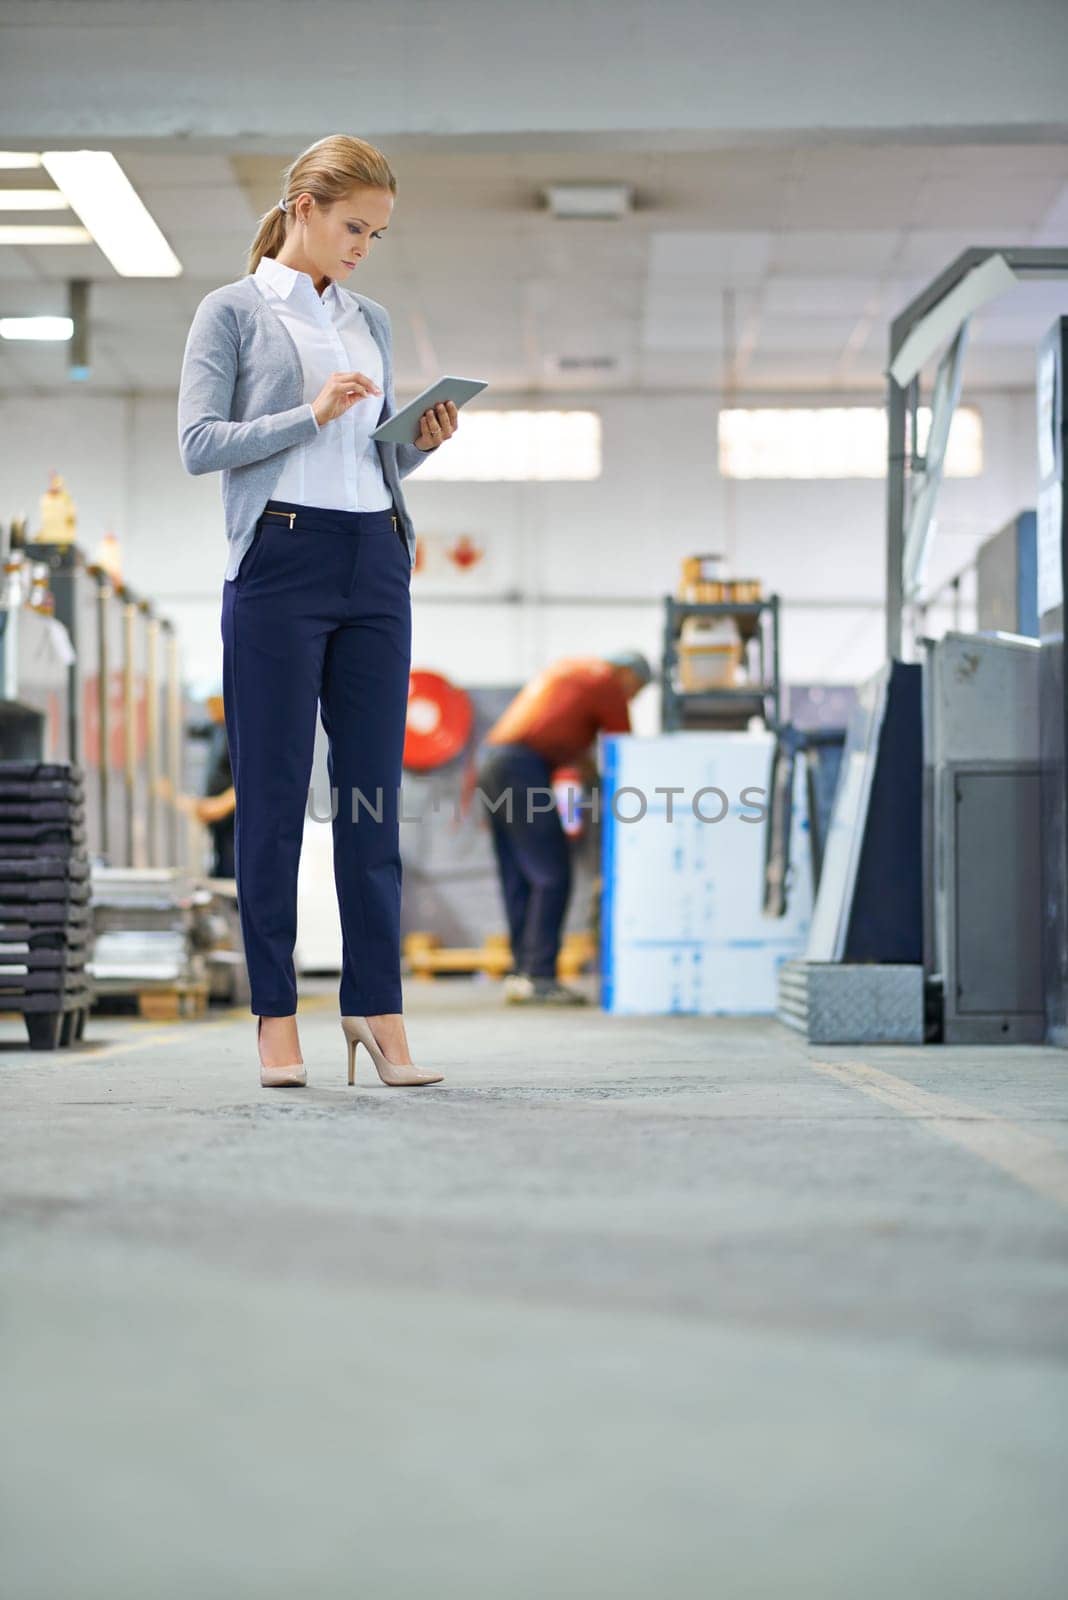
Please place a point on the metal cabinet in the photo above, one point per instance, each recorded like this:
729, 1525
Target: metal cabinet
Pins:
982, 836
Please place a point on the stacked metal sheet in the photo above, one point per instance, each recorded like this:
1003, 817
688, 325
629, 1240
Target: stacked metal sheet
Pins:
834, 1002
146, 933
45, 927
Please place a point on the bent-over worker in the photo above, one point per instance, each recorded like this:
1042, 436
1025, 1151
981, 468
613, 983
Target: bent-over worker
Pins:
550, 723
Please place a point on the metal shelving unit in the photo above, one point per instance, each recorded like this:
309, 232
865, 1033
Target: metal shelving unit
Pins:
727, 708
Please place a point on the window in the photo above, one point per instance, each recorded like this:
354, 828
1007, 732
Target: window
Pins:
833, 442
519, 446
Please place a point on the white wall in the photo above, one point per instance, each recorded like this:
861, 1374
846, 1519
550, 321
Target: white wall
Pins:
621, 538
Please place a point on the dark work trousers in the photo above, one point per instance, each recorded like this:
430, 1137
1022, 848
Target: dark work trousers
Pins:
319, 614
222, 847
220, 778
533, 855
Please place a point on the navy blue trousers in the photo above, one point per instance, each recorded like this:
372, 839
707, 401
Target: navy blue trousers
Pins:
532, 851
319, 617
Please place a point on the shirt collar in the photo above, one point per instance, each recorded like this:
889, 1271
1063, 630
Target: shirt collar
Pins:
284, 279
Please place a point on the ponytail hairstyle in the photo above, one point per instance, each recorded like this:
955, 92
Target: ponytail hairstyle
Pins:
329, 170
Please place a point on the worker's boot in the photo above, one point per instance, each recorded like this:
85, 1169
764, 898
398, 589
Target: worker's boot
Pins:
549, 992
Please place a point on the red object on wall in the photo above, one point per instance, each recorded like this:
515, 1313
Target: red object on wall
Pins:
465, 553
440, 717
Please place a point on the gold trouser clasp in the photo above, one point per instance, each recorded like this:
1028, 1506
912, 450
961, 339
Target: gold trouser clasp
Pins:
292, 516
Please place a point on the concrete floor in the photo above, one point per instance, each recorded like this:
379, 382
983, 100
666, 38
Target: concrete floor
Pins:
625, 1308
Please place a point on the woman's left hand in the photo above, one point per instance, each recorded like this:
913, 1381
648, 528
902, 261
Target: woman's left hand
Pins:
437, 424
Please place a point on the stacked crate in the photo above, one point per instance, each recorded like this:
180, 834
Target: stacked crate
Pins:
45, 927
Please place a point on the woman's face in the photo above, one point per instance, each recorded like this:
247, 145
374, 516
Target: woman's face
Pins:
337, 238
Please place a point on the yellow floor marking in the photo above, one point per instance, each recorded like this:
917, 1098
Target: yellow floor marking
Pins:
1031, 1158
177, 1032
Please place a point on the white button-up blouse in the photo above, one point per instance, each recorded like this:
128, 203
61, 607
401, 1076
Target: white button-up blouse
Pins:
340, 467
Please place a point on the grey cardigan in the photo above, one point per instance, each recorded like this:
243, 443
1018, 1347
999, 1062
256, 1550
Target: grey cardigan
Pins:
241, 405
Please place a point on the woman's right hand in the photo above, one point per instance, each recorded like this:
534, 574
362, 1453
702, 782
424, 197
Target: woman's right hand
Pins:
341, 391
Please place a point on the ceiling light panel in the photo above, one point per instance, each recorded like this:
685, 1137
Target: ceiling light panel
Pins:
99, 192
32, 200
594, 202
48, 328
43, 233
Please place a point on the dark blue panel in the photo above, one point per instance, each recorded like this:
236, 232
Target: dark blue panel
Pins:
886, 917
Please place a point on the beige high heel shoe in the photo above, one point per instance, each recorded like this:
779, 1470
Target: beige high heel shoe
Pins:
290, 1076
357, 1030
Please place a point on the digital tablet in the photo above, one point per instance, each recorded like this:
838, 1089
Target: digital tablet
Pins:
403, 426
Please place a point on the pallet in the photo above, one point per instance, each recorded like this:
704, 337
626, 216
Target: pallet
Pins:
576, 954
428, 958
51, 1021
168, 1003
48, 1030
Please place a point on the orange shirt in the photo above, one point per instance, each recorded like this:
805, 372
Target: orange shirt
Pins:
560, 712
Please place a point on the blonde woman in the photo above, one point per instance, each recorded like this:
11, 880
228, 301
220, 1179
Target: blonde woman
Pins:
286, 372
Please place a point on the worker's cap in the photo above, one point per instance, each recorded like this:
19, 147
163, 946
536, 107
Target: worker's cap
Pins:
633, 659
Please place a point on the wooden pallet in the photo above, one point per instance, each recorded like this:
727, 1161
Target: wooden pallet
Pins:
168, 1003
577, 953
428, 958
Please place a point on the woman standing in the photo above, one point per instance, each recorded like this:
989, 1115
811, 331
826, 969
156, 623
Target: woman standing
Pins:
286, 372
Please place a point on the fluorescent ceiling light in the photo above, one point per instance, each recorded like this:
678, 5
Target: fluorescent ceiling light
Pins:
32, 200
596, 201
36, 328
100, 193
12, 159
43, 233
